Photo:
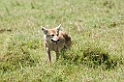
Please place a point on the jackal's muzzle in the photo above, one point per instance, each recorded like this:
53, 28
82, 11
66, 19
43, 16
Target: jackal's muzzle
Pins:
55, 41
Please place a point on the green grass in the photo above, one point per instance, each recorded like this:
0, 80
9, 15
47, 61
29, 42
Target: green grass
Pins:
96, 28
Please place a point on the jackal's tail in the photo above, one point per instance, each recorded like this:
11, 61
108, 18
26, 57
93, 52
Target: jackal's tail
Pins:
67, 40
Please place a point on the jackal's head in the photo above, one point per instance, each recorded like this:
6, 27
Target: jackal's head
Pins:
51, 35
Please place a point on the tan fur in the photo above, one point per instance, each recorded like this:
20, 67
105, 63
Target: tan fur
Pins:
55, 40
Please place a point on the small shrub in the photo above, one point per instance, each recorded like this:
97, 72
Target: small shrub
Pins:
18, 55
93, 57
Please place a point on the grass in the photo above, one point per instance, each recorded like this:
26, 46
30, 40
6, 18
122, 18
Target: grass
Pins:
96, 28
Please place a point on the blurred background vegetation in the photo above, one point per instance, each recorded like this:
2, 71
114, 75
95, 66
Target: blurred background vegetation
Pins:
96, 28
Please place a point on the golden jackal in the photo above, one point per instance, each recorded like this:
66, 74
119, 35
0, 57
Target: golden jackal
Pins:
55, 40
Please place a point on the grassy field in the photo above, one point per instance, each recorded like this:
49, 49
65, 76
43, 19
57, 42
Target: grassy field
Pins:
96, 28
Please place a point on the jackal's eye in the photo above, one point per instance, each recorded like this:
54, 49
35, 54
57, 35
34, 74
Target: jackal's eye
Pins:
57, 34
52, 34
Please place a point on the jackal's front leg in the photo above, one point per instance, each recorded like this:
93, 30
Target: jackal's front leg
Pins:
57, 55
49, 56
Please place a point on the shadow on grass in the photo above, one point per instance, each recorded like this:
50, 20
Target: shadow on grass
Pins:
5, 30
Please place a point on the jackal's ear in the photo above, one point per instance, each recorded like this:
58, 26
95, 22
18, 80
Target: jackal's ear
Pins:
58, 27
44, 30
